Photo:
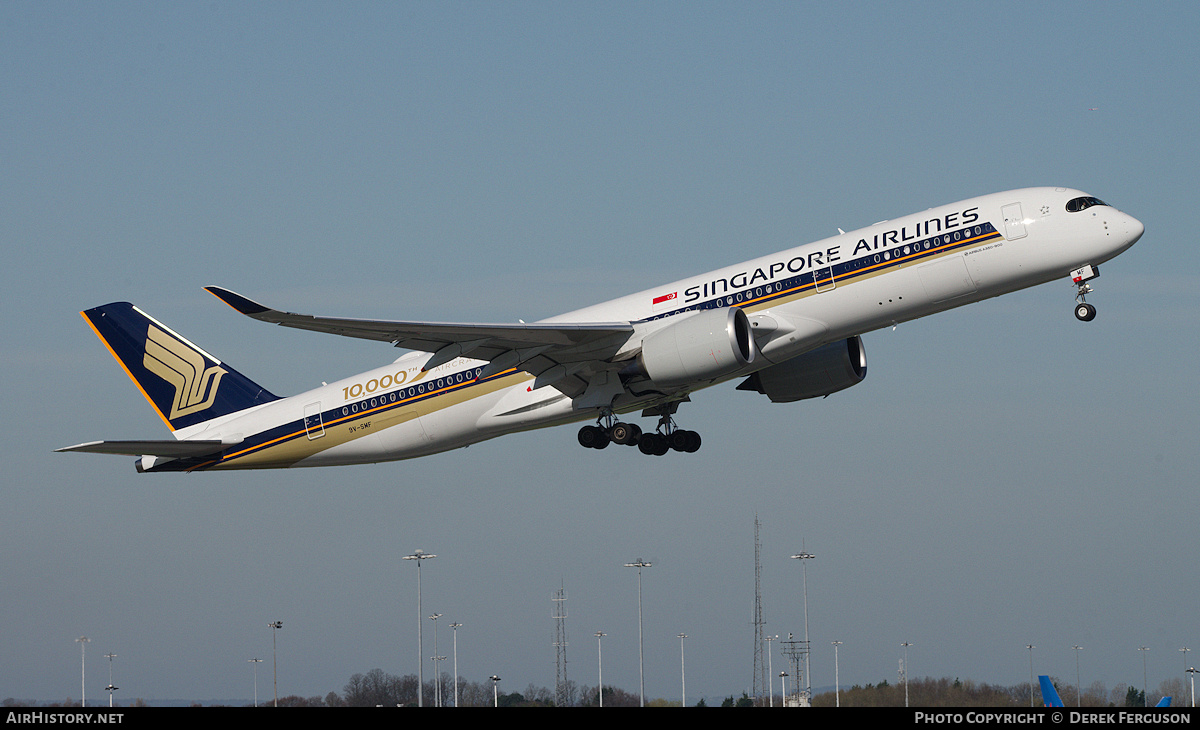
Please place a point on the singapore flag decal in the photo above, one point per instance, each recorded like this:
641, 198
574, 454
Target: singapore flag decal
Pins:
664, 299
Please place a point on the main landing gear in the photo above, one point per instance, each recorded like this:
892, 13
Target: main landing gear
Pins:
665, 438
1084, 312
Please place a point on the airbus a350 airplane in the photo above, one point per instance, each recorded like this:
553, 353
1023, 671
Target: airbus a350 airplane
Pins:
787, 323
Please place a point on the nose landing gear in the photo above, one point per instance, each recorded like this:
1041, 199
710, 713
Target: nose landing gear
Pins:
1084, 312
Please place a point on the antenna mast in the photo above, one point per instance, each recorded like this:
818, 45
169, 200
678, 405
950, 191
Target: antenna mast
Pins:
560, 643
760, 667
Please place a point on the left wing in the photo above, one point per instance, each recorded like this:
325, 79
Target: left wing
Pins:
556, 354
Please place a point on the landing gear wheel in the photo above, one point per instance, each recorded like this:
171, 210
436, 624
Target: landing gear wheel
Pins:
1085, 312
626, 434
653, 444
677, 440
592, 437
685, 441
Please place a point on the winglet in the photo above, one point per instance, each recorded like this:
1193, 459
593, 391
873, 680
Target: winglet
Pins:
237, 301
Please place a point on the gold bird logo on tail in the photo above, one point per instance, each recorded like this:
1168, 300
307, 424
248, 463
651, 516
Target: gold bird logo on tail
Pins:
184, 368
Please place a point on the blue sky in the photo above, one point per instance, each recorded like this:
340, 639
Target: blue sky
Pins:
1006, 475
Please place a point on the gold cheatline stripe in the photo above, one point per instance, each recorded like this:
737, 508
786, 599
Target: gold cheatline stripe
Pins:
260, 449
794, 291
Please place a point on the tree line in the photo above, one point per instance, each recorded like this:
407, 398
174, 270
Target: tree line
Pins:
378, 688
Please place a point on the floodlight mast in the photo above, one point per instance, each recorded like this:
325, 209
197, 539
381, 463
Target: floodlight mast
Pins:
437, 677
682, 672
419, 555
639, 564
111, 687
274, 626
1078, 688
837, 682
255, 661
1145, 695
906, 645
771, 672
804, 557
1030, 647
83, 642
600, 666
455, 626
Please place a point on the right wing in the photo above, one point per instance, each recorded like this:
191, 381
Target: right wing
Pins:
557, 354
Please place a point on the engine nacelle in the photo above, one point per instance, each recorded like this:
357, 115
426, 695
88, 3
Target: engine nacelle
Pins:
819, 372
705, 345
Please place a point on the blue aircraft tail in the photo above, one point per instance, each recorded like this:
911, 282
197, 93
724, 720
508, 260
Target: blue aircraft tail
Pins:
1051, 699
183, 383
1050, 696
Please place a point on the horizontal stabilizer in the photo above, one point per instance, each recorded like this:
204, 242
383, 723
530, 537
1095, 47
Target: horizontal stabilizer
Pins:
168, 448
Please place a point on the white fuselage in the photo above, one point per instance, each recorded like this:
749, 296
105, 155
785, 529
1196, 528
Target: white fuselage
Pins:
800, 299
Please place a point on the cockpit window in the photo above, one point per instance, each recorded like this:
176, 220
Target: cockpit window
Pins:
1077, 204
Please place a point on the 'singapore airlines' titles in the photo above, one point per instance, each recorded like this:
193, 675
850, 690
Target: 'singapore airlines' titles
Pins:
831, 255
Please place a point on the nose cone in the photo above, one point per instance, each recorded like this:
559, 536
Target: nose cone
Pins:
1133, 229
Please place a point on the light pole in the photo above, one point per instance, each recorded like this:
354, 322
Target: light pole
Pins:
1185, 650
83, 642
419, 555
600, 666
495, 692
641, 666
1078, 685
1145, 697
837, 684
906, 645
804, 557
255, 661
1192, 671
682, 672
275, 625
437, 679
770, 671
1030, 647
454, 626
110, 686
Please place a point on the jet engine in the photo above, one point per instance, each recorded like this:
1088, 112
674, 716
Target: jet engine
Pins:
704, 345
818, 372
